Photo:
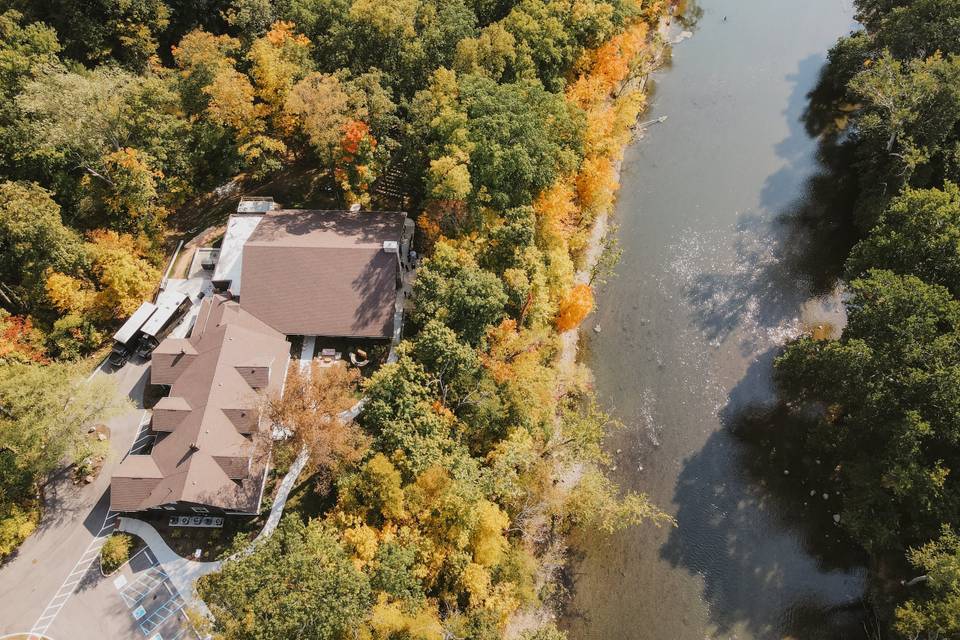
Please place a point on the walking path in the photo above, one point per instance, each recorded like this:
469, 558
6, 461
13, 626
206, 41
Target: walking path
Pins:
183, 573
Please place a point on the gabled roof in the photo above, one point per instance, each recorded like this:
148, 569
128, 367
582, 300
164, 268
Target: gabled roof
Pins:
187, 459
323, 273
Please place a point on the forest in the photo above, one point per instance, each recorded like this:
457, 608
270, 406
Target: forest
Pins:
445, 509
887, 392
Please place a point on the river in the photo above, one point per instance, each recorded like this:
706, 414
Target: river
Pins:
731, 230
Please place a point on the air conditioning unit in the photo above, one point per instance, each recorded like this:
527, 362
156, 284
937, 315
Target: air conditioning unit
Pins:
391, 246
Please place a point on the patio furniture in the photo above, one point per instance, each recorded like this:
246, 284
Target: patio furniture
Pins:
359, 358
328, 357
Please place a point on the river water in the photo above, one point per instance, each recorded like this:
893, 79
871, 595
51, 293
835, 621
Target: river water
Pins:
729, 225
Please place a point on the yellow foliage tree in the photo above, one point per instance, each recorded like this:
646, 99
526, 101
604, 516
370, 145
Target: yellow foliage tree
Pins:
200, 55
596, 184
278, 61
577, 304
488, 541
390, 18
449, 177
520, 361
556, 214
390, 620
69, 294
124, 278
319, 106
362, 542
232, 103
476, 582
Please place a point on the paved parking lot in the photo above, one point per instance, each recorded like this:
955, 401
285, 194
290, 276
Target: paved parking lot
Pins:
137, 602
152, 600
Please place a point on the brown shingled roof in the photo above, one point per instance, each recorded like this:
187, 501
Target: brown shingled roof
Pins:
204, 453
323, 272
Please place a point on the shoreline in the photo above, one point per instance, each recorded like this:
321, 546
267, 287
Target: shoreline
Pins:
554, 559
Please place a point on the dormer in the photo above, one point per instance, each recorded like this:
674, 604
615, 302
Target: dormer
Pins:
255, 373
170, 359
244, 419
169, 413
236, 467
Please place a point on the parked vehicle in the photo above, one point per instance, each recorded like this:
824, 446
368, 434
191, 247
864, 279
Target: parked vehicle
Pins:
171, 305
127, 337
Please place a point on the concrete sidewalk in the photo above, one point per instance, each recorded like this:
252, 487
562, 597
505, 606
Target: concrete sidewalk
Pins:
183, 573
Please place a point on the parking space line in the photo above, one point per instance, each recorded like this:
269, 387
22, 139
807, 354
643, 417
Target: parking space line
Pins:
161, 614
81, 568
90, 554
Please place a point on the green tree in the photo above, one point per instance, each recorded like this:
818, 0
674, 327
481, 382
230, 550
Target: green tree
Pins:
519, 137
454, 364
453, 289
892, 421
394, 572
400, 411
918, 234
73, 124
920, 27
905, 127
102, 30
33, 239
253, 596
936, 613
490, 54
250, 18
26, 50
73, 337
45, 411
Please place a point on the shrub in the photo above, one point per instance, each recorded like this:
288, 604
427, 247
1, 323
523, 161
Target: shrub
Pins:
16, 523
115, 552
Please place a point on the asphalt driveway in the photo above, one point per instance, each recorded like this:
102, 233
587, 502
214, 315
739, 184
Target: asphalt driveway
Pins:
45, 572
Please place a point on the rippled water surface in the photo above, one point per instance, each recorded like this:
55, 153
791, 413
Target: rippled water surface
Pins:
727, 220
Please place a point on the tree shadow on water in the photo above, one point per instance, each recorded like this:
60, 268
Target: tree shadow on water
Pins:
794, 246
772, 561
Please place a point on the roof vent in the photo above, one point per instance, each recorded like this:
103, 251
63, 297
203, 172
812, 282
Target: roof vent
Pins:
391, 246
355, 207
194, 446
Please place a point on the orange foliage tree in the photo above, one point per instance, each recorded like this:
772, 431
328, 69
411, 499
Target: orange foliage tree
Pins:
596, 184
574, 307
310, 408
357, 162
19, 340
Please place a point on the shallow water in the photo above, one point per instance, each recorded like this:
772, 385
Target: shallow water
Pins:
732, 238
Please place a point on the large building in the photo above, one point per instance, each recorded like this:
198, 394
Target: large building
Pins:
303, 273
329, 273
206, 454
